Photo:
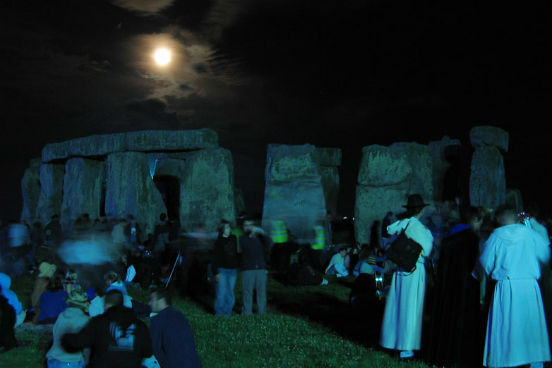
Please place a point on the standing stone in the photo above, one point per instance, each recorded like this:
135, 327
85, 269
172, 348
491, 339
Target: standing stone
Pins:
30, 191
329, 160
330, 185
207, 189
487, 179
294, 191
82, 190
130, 190
441, 164
239, 200
387, 175
514, 199
51, 192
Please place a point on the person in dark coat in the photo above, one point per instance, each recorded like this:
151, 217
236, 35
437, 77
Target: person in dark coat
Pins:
117, 338
171, 334
454, 335
225, 267
254, 264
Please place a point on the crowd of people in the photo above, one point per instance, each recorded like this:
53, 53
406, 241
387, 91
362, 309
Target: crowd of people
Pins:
473, 297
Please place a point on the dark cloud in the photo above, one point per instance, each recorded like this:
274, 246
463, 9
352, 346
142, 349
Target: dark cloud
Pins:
332, 73
144, 7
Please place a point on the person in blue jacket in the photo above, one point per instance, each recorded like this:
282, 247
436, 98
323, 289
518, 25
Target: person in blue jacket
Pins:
171, 334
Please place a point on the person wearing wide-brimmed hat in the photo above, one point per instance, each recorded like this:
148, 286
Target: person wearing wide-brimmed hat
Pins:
71, 320
402, 320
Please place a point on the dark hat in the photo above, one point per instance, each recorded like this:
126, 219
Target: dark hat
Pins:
415, 201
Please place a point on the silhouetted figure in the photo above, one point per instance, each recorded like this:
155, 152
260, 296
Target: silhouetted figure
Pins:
454, 336
7, 322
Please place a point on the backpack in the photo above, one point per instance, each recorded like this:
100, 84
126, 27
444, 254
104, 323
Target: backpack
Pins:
404, 252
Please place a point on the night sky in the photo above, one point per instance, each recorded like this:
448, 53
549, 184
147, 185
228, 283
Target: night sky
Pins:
338, 73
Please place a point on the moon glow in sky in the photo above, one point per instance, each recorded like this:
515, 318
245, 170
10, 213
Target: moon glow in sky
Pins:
162, 56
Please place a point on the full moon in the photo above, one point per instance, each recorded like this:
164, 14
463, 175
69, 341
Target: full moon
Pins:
162, 56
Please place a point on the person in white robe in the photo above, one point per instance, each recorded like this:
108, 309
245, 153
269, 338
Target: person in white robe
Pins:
403, 316
516, 326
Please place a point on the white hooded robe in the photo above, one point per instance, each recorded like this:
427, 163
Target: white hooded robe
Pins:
516, 326
402, 320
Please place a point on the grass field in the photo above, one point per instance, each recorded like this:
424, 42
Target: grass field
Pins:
305, 327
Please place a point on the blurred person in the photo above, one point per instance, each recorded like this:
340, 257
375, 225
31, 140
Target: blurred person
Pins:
171, 334
117, 338
51, 302
45, 272
225, 267
132, 231
71, 320
112, 282
52, 231
7, 323
254, 265
516, 328
13, 300
403, 316
118, 233
301, 272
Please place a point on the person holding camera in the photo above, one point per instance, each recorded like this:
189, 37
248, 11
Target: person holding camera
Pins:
402, 320
516, 327
254, 255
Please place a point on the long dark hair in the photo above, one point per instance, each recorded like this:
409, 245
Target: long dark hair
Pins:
221, 226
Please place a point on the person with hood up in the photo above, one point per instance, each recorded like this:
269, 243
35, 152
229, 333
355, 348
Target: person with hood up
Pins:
516, 326
71, 320
13, 300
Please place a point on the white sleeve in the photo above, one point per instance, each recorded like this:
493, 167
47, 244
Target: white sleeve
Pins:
488, 256
542, 247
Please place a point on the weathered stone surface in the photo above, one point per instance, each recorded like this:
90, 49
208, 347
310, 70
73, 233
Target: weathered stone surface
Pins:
239, 200
382, 166
147, 140
387, 175
82, 190
51, 191
372, 203
330, 186
294, 191
130, 190
489, 136
207, 189
327, 156
286, 162
30, 191
514, 199
487, 179
438, 151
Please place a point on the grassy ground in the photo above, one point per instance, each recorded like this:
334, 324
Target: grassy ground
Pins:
305, 327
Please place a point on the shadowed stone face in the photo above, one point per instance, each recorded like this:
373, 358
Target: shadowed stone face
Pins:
51, 191
82, 190
131, 191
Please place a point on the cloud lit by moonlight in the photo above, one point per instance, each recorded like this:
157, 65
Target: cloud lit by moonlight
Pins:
162, 56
